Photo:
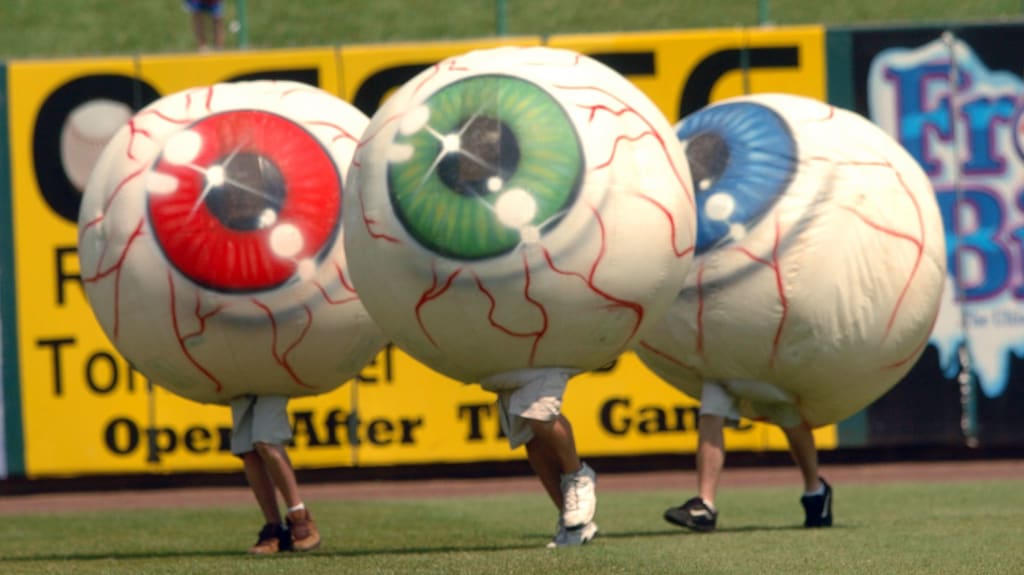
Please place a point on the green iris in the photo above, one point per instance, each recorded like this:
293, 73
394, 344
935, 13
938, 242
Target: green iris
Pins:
485, 135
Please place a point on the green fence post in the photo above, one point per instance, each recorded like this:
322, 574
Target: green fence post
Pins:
499, 17
762, 12
13, 434
243, 24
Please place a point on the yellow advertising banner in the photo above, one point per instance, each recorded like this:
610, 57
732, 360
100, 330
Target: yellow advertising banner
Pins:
174, 72
685, 70
86, 411
371, 72
74, 385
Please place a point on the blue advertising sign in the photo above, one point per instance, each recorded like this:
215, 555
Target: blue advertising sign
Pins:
953, 97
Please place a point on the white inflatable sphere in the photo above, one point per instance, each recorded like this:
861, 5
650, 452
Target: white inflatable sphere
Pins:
211, 245
518, 208
820, 258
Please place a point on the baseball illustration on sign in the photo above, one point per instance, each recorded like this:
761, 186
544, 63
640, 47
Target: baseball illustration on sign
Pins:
211, 243
820, 259
85, 134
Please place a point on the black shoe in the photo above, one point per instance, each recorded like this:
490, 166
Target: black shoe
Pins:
272, 538
284, 538
694, 514
818, 508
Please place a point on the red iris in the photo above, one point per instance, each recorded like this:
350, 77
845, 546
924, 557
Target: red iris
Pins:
270, 172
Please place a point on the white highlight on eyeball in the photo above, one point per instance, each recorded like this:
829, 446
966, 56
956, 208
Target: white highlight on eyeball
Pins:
529, 234
705, 184
451, 143
286, 240
268, 217
183, 147
737, 232
516, 208
414, 120
161, 184
215, 176
494, 184
305, 269
399, 153
719, 206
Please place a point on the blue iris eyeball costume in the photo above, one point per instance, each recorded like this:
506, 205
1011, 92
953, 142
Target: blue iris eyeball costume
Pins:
820, 258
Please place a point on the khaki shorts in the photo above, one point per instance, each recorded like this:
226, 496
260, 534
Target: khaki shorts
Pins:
756, 400
259, 419
528, 394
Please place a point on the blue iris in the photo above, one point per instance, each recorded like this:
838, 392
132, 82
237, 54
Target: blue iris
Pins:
741, 149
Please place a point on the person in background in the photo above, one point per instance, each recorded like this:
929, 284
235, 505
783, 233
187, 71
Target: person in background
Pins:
260, 429
207, 23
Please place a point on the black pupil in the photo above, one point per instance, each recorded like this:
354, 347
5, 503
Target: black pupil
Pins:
252, 187
708, 156
488, 148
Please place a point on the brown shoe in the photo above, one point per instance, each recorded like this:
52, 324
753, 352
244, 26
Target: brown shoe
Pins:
273, 538
305, 537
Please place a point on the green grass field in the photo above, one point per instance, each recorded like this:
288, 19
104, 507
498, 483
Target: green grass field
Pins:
31, 28
898, 528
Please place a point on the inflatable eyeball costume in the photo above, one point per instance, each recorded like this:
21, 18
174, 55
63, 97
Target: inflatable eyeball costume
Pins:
820, 259
211, 244
518, 208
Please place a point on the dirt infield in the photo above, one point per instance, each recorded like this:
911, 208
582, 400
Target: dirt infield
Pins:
436, 488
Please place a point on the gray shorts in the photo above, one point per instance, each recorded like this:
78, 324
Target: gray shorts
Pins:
756, 400
259, 419
527, 394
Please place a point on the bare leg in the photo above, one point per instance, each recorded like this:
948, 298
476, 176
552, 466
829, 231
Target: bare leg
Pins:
199, 28
279, 468
551, 453
710, 456
804, 453
218, 33
262, 486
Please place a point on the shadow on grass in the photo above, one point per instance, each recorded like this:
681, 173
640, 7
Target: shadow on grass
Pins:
234, 553
669, 531
537, 542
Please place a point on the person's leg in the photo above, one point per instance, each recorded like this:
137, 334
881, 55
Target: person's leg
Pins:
805, 454
817, 496
699, 513
305, 535
552, 453
710, 456
529, 408
199, 29
262, 486
717, 409
218, 32
272, 429
273, 537
569, 482
279, 469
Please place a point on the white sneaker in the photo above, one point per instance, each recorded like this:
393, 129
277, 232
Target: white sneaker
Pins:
579, 497
572, 537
